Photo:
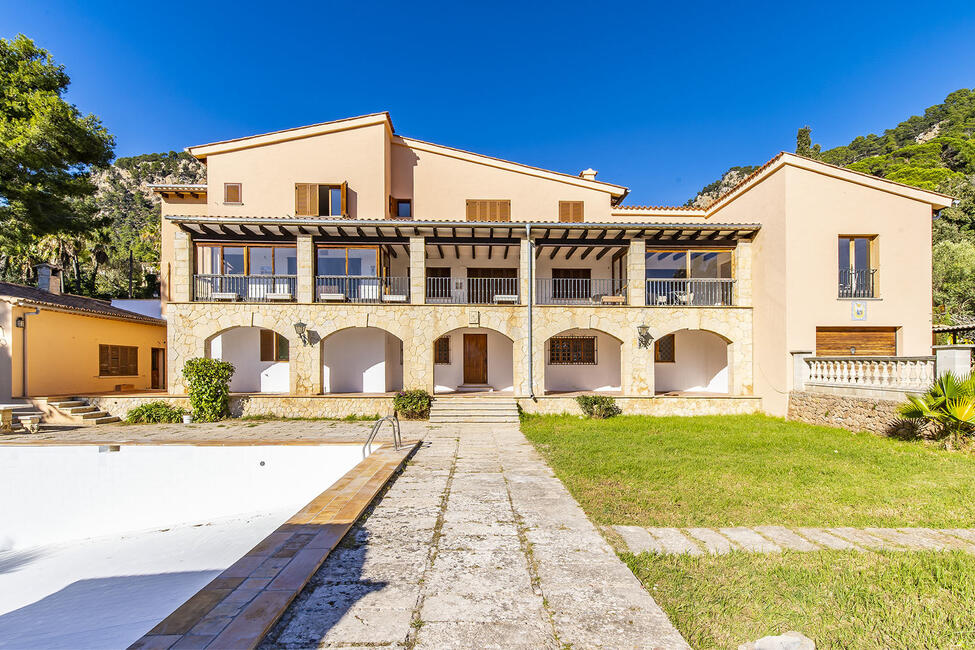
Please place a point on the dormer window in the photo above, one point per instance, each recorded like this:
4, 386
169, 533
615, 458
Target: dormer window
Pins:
321, 200
232, 193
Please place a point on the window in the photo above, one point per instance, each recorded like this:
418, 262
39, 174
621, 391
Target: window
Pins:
246, 259
438, 282
274, 347
231, 193
571, 211
118, 361
488, 210
665, 349
441, 350
317, 200
857, 258
402, 208
670, 265
572, 350
348, 261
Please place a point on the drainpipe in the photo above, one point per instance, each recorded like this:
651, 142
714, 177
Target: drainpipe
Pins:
531, 300
23, 350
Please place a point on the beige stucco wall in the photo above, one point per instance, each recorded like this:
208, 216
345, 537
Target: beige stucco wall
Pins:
62, 352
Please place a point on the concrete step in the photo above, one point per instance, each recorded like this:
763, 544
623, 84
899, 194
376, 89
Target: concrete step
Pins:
474, 407
67, 404
105, 419
473, 419
78, 410
94, 415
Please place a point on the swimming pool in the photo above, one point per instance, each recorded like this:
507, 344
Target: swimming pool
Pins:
97, 544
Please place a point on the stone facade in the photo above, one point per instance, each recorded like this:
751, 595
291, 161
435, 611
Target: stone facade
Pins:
660, 406
269, 405
853, 413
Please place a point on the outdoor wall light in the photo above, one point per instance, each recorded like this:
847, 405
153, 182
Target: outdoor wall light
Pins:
19, 322
643, 336
301, 331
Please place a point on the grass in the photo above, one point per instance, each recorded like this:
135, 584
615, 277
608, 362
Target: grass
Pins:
751, 470
840, 599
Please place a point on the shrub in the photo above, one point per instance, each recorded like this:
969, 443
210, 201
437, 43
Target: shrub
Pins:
598, 406
154, 412
412, 404
949, 405
208, 385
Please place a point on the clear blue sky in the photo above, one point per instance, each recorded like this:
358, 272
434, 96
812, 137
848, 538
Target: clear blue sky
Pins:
660, 97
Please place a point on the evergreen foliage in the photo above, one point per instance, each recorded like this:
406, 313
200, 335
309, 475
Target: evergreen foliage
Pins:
412, 404
208, 385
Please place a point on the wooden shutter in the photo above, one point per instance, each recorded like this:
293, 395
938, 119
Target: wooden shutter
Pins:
345, 199
131, 365
571, 211
306, 199
231, 193
488, 210
104, 360
868, 341
392, 206
267, 345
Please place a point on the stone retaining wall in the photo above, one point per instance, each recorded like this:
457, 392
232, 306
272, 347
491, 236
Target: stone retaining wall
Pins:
853, 413
271, 405
650, 405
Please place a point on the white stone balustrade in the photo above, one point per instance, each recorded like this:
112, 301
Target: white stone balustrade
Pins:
897, 373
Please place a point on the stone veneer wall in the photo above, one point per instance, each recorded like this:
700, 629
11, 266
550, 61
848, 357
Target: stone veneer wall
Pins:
651, 405
192, 325
853, 413
272, 405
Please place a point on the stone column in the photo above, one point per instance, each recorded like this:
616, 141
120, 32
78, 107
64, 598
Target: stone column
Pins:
636, 273
800, 369
418, 271
306, 269
418, 360
743, 274
305, 366
182, 287
956, 359
525, 265
636, 367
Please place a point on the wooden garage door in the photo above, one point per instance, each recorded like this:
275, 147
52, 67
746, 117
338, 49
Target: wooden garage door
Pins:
868, 341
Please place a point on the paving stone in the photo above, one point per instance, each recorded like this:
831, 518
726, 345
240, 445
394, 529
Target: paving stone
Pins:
947, 542
674, 541
864, 539
714, 543
786, 538
967, 534
749, 540
639, 540
826, 539
906, 539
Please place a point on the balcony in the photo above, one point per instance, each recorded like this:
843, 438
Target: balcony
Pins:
857, 283
691, 292
580, 291
362, 289
472, 291
246, 288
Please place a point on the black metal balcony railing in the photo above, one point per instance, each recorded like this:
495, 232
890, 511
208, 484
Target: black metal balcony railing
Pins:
580, 291
472, 291
857, 283
247, 288
695, 292
359, 289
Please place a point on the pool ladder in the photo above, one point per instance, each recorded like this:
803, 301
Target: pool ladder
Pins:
394, 423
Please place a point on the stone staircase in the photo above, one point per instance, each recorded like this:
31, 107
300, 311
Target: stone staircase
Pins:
483, 410
23, 414
59, 410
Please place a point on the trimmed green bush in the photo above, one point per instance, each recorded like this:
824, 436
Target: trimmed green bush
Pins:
412, 404
598, 406
154, 412
208, 385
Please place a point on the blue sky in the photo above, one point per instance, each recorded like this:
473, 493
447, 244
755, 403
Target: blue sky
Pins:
660, 97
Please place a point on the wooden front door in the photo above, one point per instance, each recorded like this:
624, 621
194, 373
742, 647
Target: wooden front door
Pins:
475, 358
158, 375
859, 341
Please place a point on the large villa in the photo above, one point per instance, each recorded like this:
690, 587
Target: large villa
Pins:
342, 260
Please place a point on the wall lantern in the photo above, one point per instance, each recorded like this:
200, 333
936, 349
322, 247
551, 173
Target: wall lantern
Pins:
19, 322
643, 336
301, 331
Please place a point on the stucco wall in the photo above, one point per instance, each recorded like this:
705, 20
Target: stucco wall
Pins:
700, 364
500, 367
603, 376
361, 360
242, 347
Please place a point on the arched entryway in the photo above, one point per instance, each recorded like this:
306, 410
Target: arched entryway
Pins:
261, 358
582, 360
692, 361
362, 360
473, 359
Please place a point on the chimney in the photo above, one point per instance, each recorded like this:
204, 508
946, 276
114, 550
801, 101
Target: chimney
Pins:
588, 174
48, 277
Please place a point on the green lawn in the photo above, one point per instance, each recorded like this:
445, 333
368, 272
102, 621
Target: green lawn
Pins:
751, 470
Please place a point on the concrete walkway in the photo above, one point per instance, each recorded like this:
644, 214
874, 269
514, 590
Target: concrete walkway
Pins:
475, 545
774, 539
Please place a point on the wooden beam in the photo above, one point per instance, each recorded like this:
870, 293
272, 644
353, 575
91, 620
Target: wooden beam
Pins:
490, 250
600, 254
469, 241
506, 252
457, 251
585, 254
439, 251
551, 255
570, 253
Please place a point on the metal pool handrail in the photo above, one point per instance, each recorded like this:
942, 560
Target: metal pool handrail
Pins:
397, 440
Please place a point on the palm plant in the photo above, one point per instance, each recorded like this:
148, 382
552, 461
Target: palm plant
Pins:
949, 405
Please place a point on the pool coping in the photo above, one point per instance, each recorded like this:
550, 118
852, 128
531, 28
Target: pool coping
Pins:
238, 607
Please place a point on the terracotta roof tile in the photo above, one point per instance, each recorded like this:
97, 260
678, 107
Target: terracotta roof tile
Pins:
35, 296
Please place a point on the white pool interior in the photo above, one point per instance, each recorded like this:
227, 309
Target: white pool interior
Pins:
99, 545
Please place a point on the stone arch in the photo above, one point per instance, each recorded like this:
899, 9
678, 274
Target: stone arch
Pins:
358, 359
262, 365
703, 361
455, 375
605, 375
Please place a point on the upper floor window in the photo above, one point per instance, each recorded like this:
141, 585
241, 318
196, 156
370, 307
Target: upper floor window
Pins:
571, 211
321, 200
668, 265
349, 261
246, 259
857, 266
401, 208
488, 210
232, 193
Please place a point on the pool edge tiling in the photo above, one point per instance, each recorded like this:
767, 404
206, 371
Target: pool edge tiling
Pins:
238, 607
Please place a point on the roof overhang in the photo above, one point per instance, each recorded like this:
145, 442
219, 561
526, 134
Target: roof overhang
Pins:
178, 190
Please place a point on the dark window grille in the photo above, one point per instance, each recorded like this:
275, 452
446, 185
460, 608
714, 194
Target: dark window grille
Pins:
572, 351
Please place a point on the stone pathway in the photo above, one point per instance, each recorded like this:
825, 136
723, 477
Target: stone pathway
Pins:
774, 539
475, 545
